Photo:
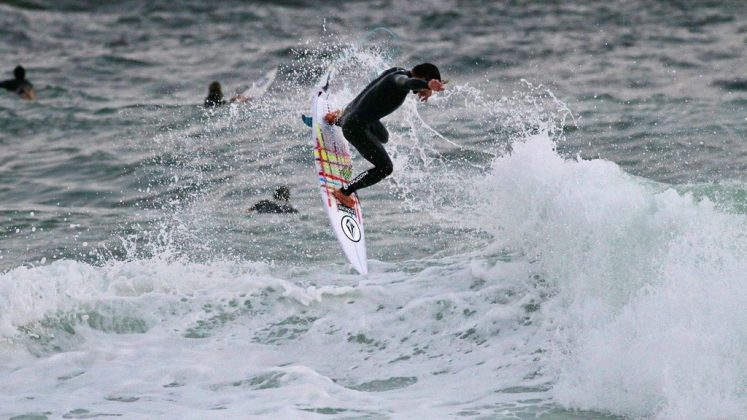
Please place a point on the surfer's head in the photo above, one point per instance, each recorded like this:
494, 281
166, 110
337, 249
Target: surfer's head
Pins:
19, 72
426, 71
214, 90
282, 193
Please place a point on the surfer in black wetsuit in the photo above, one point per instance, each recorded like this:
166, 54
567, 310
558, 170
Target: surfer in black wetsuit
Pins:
20, 85
279, 204
215, 97
362, 128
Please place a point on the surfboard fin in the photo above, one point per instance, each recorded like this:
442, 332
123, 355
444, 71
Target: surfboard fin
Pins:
306, 120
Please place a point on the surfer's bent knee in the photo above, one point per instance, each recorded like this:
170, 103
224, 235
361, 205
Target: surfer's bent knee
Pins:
386, 168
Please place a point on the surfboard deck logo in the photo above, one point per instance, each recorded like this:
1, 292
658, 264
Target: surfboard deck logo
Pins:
334, 170
350, 228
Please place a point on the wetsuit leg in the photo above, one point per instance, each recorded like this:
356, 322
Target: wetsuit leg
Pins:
367, 139
379, 131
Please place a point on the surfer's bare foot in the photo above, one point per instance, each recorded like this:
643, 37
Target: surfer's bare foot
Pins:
345, 200
332, 117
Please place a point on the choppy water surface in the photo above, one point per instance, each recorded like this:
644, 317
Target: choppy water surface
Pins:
564, 235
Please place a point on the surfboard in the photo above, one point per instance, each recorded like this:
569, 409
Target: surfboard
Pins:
334, 170
260, 86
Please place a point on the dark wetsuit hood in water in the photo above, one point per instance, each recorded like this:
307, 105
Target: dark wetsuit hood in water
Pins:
215, 96
18, 85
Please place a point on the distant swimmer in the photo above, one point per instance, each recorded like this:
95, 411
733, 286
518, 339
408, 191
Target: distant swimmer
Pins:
279, 204
215, 97
20, 85
362, 128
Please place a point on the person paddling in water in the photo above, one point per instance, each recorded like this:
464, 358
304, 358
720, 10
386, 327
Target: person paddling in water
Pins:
362, 128
20, 85
215, 97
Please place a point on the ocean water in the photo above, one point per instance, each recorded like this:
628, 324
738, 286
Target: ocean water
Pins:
564, 235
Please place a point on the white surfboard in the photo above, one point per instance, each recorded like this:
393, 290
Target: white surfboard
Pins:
334, 169
260, 86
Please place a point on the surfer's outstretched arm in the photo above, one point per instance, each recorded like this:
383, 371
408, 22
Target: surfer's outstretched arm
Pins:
409, 83
423, 89
433, 86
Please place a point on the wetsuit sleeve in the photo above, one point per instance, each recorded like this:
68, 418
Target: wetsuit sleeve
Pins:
375, 81
6, 84
409, 83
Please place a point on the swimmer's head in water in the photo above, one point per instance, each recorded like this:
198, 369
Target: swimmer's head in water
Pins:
19, 72
426, 71
214, 89
282, 193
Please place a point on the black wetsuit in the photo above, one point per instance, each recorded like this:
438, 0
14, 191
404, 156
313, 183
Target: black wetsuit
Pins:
214, 100
17, 86
362, 128
268, 206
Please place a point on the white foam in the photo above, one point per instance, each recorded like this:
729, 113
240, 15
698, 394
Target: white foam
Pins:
649, 286
243, 339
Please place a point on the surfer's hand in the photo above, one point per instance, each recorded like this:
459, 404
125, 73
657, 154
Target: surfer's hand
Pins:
332, 117
435, 85
239, 98
424, 94
28, 94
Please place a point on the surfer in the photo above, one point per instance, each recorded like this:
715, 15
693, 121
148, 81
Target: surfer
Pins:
215, 97
362, 128
20, 85
279, 204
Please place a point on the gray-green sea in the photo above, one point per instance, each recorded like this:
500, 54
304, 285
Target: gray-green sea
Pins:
564, 235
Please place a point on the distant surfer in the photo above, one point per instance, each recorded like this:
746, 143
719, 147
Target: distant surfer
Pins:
215, 97
279, 204
20, 85
362, 128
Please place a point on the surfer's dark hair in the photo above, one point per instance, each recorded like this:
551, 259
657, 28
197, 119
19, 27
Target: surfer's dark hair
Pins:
427, 71
19, 72
214, 89
282, 193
